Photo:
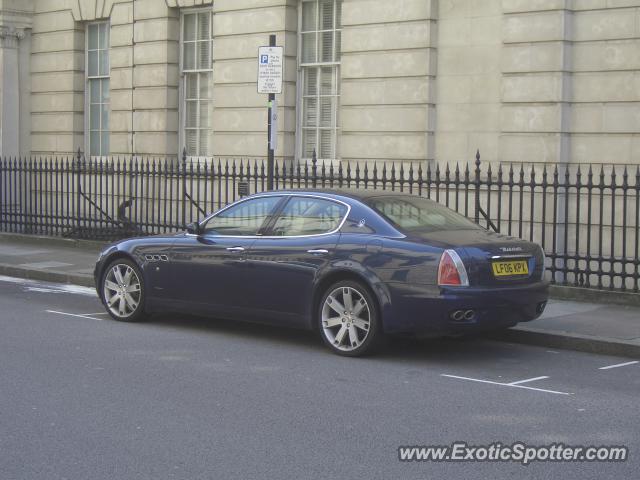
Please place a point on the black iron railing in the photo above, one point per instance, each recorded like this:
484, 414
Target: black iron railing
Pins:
587, 217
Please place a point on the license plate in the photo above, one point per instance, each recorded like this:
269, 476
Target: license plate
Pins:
510, 268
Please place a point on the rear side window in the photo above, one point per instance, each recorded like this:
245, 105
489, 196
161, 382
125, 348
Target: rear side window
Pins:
419, 214
242, 219
309, 216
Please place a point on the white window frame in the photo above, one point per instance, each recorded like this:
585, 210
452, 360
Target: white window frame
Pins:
87, 89
301, 87
182, 85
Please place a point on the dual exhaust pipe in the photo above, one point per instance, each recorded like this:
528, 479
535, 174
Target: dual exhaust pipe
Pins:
463, 315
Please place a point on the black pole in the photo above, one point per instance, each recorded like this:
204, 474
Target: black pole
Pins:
79, 163
477, 191
272, 97
184, 187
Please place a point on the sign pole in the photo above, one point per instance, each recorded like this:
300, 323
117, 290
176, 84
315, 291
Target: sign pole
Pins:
270, 79
270, 161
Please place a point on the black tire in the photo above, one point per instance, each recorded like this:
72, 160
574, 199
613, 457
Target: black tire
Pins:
367, 339
127, 308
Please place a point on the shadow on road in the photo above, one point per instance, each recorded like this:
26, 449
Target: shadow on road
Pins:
462, 350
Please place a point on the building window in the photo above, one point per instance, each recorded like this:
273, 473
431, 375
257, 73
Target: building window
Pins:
319, 60
98, 88
197, 78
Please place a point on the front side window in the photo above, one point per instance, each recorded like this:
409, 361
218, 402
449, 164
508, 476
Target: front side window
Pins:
197, 82
309, 216
320, 40
244, 219
98, 88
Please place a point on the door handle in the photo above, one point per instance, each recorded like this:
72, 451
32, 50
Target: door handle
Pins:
319, 251
235, 249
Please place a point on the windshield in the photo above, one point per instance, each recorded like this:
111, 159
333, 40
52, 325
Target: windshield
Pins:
419, 214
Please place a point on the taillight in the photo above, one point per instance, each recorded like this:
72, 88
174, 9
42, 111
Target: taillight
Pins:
451, 271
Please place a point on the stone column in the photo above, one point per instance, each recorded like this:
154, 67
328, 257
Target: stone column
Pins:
388, 72
10, 135
537, 94
468, 81
240, 113
536, 81
144, 77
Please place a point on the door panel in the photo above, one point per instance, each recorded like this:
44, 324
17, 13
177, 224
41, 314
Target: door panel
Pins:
301, 241
284, 270
210, 270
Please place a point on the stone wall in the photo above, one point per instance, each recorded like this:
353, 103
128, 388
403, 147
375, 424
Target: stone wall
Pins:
521, 80
571, 81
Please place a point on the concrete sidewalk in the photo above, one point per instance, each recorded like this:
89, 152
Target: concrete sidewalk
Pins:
49, 259
576, 325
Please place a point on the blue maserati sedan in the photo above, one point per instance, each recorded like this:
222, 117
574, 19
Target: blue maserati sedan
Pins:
353, 265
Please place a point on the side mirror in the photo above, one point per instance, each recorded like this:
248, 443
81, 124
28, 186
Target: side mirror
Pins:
193, 228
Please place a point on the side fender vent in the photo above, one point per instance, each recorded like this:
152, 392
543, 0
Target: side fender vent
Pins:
156, 258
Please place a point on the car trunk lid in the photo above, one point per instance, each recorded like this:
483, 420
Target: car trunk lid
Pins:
491, 259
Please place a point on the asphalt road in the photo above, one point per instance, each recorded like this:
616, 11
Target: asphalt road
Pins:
85, 397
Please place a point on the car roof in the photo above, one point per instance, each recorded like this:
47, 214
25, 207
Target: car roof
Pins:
352, 193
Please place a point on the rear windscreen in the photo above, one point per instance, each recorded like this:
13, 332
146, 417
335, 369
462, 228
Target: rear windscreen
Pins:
419, 214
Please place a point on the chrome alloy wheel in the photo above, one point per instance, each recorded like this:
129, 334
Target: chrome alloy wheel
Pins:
121, 290
346, 318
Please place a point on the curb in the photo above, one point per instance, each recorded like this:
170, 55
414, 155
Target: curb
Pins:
46, 275
53, 241
593, 295
569, 341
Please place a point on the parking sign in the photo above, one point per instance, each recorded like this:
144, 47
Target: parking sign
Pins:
270, 67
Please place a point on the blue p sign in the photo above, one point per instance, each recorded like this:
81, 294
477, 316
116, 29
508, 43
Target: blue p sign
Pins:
264, 58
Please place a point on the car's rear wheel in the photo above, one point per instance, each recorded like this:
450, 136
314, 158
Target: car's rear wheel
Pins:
123, 291
348, 319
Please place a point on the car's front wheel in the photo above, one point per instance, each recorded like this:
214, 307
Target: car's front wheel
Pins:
123, 290
348, 319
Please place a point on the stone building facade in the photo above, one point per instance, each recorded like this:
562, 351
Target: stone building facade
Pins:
521, 80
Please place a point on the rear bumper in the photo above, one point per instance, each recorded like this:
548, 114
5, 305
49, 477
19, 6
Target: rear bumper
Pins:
434, 311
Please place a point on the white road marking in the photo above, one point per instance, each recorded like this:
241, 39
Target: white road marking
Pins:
619, 365
505, 384
51, 264
41, 290
4, 278
47, 287
528, 380
20, 251
75, 315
